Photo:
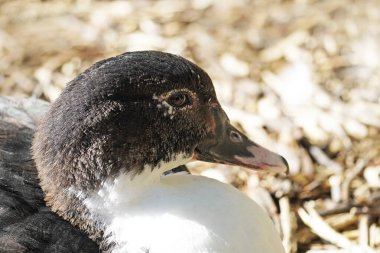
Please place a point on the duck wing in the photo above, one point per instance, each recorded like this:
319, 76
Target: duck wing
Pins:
26, 223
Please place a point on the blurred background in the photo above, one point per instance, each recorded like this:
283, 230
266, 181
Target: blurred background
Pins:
300, 77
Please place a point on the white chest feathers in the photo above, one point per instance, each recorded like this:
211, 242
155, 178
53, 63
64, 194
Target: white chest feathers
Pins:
183, 213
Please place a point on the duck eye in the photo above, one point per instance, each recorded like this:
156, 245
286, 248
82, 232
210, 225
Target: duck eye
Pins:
179, 99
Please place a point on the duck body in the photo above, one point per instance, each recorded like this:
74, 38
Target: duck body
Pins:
188, 213
101, 156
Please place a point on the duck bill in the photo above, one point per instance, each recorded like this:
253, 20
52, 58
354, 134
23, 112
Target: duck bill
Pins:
227, 145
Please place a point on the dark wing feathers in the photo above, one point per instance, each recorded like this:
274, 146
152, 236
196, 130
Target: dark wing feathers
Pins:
26, 224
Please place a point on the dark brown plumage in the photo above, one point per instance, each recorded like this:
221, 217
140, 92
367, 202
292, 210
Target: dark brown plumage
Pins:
26, 224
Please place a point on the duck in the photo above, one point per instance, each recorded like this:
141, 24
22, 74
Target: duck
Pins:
103, 169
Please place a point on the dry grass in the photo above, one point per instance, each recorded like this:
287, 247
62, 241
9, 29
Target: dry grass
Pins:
300, 77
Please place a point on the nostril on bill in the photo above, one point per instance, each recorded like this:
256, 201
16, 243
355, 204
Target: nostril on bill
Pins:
235, 136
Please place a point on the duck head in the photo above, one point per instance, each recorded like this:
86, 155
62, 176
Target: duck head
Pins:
138, 110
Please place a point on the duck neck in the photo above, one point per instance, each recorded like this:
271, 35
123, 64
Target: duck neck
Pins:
113, 198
